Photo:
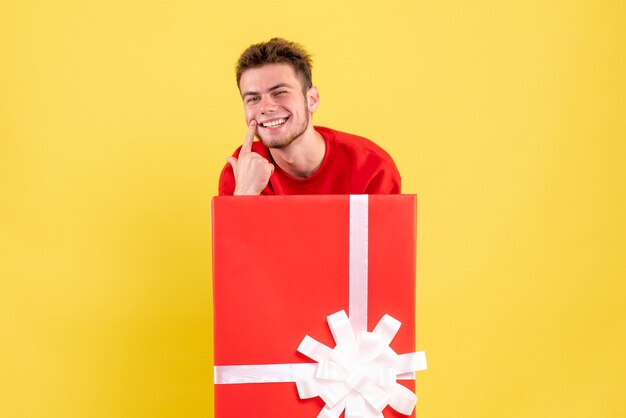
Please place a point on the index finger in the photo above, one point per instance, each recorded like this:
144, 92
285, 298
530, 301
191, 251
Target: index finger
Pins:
247, 142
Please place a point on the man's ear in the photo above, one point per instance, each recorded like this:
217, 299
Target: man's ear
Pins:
312, 99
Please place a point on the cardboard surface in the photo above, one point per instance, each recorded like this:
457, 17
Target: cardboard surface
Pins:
281, 266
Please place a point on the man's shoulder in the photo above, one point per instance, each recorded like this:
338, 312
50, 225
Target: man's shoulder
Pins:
353, 143
371, 168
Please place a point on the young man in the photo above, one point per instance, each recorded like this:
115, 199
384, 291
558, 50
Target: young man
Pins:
293, 156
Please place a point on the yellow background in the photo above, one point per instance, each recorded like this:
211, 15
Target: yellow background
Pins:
506, 118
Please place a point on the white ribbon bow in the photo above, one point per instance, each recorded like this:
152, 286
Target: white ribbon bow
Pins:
359, 374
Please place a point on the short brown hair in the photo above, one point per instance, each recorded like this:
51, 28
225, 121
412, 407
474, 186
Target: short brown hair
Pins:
278, 51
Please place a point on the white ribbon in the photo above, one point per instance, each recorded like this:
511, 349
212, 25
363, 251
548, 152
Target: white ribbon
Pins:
359, 230
359, 375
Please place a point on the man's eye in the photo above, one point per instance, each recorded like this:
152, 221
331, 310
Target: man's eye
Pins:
252, 100
278, 93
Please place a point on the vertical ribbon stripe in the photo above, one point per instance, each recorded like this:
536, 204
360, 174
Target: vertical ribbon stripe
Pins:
357, 306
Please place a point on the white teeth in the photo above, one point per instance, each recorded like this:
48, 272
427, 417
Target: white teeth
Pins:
274, 123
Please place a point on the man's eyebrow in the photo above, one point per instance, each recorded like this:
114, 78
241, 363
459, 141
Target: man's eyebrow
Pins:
254, 93
248, 93
277, 86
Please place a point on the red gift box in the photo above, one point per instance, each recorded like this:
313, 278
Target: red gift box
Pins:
281, 266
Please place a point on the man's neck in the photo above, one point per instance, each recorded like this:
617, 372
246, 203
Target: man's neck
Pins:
303, 156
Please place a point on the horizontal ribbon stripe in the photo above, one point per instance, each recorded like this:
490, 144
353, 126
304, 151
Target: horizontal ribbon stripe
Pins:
264, 373
273, 373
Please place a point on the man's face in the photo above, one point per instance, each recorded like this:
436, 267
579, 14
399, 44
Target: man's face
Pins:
272, 95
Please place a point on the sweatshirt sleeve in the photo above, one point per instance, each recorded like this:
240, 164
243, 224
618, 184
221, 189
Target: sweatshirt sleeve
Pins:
227, 181
386, 181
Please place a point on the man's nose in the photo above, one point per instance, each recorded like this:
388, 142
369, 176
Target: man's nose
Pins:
268, 105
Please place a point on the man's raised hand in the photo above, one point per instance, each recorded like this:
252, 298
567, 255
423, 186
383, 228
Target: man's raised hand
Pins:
252, 171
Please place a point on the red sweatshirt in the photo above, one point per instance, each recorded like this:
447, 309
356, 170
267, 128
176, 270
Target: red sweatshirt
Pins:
351, 165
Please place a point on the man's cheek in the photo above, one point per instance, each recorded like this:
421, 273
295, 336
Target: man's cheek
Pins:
249, 115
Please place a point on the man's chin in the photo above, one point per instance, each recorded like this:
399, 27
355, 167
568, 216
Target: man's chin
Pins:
276, 143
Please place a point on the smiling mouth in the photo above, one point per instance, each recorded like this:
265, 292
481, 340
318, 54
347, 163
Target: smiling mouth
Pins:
275, 123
